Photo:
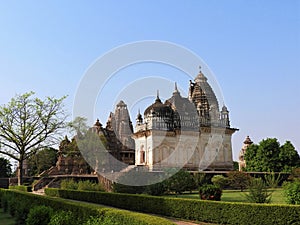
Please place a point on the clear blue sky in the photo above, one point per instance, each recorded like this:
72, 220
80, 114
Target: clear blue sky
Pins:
253, 48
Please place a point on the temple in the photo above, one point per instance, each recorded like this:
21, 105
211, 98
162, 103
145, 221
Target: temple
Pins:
189, 132
242, 161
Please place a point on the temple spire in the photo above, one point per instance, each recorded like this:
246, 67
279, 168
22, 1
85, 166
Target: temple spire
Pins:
157, 97
176, 89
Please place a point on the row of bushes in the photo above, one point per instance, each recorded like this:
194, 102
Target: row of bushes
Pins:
21, 188
81, 185
19, 204
190, 209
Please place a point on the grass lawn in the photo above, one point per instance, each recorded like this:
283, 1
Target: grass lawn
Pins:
238, 196
6, 219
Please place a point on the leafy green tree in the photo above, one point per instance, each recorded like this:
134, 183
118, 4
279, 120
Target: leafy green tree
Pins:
28, 124
269, 156
5, 168
78, 126
289, 157
180, 182
42, 160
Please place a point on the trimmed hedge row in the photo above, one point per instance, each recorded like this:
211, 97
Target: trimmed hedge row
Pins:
191, 209
21, 188
83, 211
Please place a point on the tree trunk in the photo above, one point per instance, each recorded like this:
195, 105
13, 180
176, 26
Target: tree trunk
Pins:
20, 173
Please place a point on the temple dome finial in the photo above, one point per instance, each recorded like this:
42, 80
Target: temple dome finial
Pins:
157, 97
200, 77
176, 89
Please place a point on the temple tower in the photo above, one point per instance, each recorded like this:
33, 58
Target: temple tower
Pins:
242, 162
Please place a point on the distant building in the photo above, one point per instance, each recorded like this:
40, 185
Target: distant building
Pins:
118, 134
242, 162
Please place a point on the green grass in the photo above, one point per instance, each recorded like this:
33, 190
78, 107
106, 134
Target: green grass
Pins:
6, 219
238, 196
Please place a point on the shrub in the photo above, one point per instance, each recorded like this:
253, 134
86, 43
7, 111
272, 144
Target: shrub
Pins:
219, 180
89, 186
271, 180
21, 212
202, 178
21, 188
190, 209
210, 192
69, 184
81, 211
180, 182
292, 192
39, 215
156, 189
121, 188
258, 192
11, 206
4, 202
63, 218
238, 179
102, 221
86, 185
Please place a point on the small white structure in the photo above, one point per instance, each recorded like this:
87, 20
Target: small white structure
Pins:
185, 132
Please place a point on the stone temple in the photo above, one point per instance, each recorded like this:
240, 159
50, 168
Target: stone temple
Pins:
183, 132
189, 132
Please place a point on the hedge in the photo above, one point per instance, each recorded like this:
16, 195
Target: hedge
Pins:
190, 209
21, 188
82, 210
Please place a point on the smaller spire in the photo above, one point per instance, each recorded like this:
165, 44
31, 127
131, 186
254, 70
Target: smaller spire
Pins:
157, 97
176, 89
200, 77
139, 118
224, 108
98, 124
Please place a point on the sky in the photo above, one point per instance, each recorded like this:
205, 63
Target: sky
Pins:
251, 47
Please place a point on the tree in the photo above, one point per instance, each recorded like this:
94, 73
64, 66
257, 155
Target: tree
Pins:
180, 182
5, 168
78, 126
289, 157
42, 160
28, 124
269, 156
